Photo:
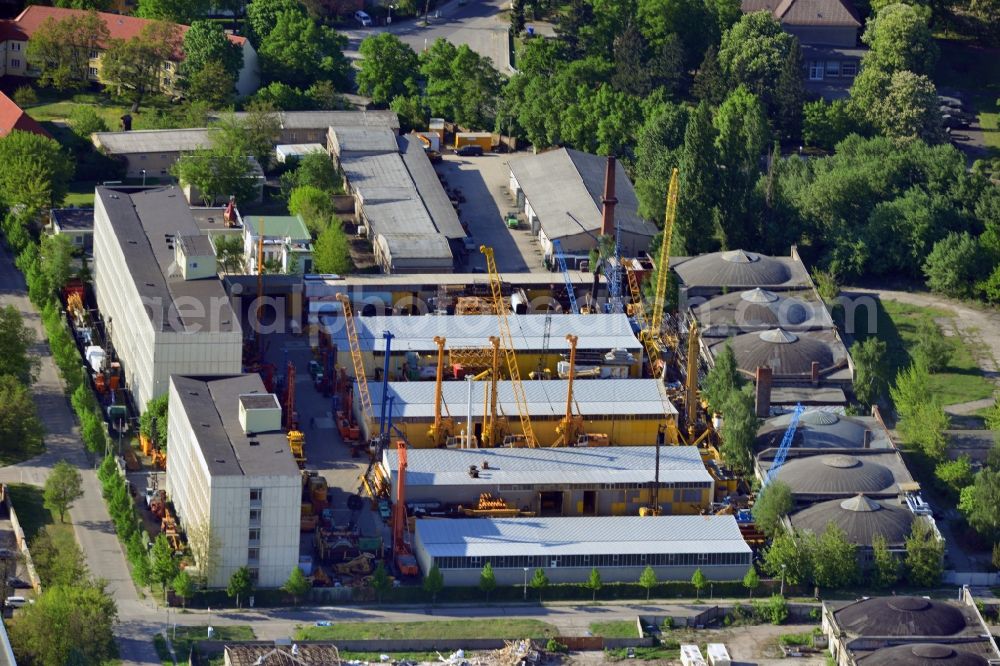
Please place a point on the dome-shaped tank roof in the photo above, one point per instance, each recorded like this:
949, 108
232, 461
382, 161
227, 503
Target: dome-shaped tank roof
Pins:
784, 352
923, 654
901, 616
735, 268
835, 474
817, 429
860, 517
756, 308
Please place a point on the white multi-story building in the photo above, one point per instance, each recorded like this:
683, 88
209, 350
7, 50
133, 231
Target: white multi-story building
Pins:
157, 289
230, 468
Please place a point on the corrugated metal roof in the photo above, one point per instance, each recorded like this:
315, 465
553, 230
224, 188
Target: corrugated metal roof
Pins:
363, 140
472, 537
596, 332
152, 141
568, 466
546, 399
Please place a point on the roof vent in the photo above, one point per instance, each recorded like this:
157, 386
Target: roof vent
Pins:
860, 504
932, 650
132, 242
778, 336
192, 393
909, 604
205, 425
220, 460
150, 284
759, 295
818, 417
473, 472
841, 462
254, 442
740, 257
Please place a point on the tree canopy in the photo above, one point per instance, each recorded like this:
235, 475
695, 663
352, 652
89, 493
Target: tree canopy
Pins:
61, 49
35, 172
67, 625
206, 47
387, 68
298, 51
134, 67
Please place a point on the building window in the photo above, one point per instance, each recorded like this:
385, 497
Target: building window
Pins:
833, 68
93, 72
94, 54
15, 46
815, 70
255, 494
254, 516
194, 264
78, 240
253, 554
15, 62
254, 535
254, 575
848, 69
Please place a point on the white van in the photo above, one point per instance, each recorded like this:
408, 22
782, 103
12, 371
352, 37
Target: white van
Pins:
16, 601
363, 18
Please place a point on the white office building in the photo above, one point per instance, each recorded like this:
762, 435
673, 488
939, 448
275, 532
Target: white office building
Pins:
157, 289
230, 467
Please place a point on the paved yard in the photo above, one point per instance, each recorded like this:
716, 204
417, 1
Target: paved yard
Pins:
483, 181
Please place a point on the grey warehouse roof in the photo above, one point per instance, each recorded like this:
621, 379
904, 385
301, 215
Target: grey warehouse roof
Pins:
737, 268
362, 140
821, 429
211, 404
146, 223
484, 537
596, 332
561, 466
861, 518
546, 399
902, 616
151, 141
844, 475
786, 352
923, 654
758, 308
565, 182
321, 119
73, 219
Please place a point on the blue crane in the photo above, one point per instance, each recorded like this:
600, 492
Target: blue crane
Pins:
561, 259
613, 274
786, 443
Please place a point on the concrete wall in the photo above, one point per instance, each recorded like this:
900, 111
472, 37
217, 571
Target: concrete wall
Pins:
515, 576
157, 165
249, 78
22, 543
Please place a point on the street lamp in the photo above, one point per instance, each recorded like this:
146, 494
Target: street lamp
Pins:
143, 172
388, 20
525, 583
783, 567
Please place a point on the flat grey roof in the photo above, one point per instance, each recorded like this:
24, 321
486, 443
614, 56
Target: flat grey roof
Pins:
426, 181
608, 398
73, 219
360, 139
484, 537
211, 404
145, 224
258, 401
323, 119
197, 245
411, 249
564, 182
152, 141
808, 395
567, 466
528, 332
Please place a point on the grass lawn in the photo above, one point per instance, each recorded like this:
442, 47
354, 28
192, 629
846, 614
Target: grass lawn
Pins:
10, 457
31, 513
615, 629
52, 107
899, 326
81, 194
977, 71
444, 629
186, 636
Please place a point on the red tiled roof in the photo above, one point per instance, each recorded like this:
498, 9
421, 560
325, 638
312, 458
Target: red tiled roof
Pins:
12, 117
119, 25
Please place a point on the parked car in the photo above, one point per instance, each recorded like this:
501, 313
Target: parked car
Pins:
470, 151
363, 18
953, 102
18, 584
956, 120
16, 601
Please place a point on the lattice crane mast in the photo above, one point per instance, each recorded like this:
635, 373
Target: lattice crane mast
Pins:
652, 336
507, 344
561, 260
786, 443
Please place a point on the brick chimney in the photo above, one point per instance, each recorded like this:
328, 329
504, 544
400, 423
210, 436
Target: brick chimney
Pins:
609, 200
762, 404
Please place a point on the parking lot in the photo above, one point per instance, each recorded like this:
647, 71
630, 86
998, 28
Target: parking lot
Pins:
483, 182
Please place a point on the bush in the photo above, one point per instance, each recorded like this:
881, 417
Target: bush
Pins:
773, 610
555, 646
25, 96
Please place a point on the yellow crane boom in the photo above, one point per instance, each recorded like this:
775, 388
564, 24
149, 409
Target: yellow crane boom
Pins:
659, 296
507, 343
358, 362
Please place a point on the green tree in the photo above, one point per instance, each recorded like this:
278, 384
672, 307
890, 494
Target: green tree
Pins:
133, 67
753, 53
380, 581
835, 562
211, 83
240, 586
594, 583
932, 349
67, 624
694, 230
297, 585
205, 42
922, 419
954, 265
34, 171
84, 121
870, 370
387, 68
789, 555
774, 502
461, 84
885, 565
630, 75
57, 558
262, 16
323, 96
61, 49
539, 581
657, 153
690, 20
314, 205
723, 379
283, 97
699, 581
229, 254
162, 565
173, 11
331, 252
710, 81
314, 170
790, 93
487, 580
825, 124
433, 582
16, 340
739, 430
647, 580
63, 487
218, 174
153, 422
255, 133
751, 581
956, 474
298, 51
412, 112
55, 256
899, 39
980, 503
924, 556
184, 587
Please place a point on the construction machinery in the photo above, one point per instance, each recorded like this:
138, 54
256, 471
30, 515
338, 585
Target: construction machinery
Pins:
786, 443
406, 563
489, 506
168, 526
507, 343
652, 334
442, 428
368, 413
561, 260
362, 565
491, 424
570, 425
654, 508
296, 444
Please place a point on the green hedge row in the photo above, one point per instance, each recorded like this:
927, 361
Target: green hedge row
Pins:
127, 522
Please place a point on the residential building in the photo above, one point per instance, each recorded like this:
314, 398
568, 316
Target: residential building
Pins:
827, 31
567, 549
230, 468
287, 242
561, 193
150, 154
16, 32
164, 307
76, 223
13, 117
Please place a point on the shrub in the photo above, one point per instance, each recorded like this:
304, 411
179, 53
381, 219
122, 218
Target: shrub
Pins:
25, 96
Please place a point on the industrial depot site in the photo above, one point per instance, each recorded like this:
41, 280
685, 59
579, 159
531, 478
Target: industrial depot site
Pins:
499, 333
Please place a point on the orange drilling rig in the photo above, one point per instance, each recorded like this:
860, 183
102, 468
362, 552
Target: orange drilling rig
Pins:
406, 563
